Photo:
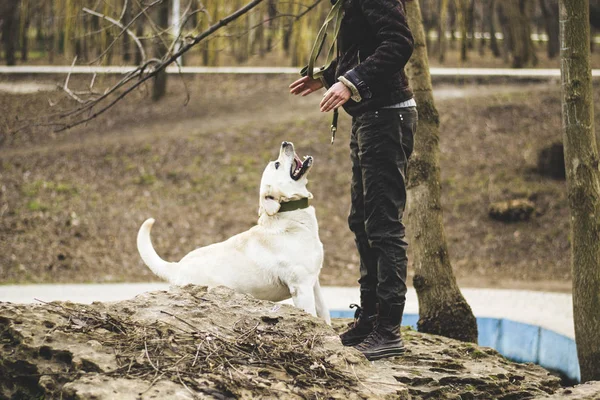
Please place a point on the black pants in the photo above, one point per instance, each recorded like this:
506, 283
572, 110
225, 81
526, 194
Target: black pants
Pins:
381, 143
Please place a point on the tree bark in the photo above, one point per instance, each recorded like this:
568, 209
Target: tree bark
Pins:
583, 182
442, 308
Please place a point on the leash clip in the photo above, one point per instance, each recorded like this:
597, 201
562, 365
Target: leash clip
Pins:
334, 123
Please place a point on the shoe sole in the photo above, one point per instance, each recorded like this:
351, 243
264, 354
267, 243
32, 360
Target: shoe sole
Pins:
384, 353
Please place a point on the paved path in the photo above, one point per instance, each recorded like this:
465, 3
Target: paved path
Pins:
448, 72
553, 311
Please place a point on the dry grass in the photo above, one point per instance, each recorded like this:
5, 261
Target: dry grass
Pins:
246, 358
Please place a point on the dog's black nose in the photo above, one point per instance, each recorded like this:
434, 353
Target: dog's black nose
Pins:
284, 144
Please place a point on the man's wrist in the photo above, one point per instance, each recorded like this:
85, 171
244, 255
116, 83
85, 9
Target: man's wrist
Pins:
355, 94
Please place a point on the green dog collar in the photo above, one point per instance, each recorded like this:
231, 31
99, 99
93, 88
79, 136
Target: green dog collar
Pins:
294, 205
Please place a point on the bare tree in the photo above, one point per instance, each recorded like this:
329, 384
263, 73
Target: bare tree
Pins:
583, 182
442, 308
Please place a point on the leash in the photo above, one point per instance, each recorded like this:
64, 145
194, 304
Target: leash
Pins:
335, 16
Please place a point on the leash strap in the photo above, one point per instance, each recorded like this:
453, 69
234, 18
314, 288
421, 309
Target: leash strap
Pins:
335, 16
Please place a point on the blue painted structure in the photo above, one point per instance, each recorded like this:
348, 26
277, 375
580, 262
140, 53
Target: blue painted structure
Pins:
516, 341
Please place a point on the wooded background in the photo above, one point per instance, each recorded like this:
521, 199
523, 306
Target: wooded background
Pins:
55, 31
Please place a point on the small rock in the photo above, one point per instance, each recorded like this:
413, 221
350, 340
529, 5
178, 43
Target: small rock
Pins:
94, 344
47, 383
511, 210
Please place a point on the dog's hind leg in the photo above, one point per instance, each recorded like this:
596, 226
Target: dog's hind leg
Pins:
322, 310
303, 298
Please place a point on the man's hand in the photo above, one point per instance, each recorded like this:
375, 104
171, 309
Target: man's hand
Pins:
335, 97
305, 86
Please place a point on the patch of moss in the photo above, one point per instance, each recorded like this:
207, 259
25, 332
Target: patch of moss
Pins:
477, 354
146, 179
36, 205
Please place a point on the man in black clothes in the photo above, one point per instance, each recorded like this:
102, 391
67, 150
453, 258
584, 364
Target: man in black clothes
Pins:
368, 80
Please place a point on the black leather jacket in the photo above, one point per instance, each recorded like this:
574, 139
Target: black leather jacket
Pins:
374, 45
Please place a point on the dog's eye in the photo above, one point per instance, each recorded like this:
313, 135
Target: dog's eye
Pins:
277, 165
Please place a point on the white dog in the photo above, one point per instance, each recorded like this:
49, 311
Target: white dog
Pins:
277, 259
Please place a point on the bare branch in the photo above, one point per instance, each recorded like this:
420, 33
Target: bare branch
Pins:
68, 91
133, 20
120, 25
125, 5
308, 9
146, 71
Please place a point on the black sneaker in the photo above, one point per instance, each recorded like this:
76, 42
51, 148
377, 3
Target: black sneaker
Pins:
383, 342
359, 329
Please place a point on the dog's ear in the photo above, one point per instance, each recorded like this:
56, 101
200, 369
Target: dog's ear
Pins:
268, 205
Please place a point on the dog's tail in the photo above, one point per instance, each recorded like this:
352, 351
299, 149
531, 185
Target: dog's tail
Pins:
160, 267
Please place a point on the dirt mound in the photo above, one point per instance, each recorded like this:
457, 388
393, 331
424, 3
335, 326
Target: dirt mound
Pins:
194, 343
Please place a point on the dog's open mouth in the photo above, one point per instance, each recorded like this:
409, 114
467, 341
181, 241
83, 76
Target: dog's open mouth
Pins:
300, 167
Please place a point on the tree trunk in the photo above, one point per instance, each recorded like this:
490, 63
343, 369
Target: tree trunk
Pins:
506, 33
443, 13
40, 38
159, 88
462, 11
470, 22
482, 18
272, 24
25, 23
139, 32
452, 24
126, 44
550, 13
518, 23
583, 182
10, 30
442, 308
491, 14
